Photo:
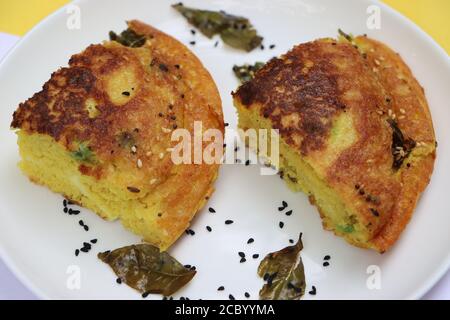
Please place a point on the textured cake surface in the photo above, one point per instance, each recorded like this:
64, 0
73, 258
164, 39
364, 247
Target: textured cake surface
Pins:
356, 133
100, 130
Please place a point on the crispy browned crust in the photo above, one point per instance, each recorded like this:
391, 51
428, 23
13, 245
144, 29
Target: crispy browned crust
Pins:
305, 90
410, 107
172, 90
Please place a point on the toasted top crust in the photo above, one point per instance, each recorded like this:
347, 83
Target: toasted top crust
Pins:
113, 97
307, 91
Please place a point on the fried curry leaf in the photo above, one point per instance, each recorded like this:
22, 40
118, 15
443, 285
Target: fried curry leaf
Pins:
401, 147
84, 153
235, 31
284, 274
247, 72
128, 38
346, 36
146, 269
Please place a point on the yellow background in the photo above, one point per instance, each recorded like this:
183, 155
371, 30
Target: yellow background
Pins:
433, 16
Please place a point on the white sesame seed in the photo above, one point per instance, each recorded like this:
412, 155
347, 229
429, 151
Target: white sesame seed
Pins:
139, 163
149, 153
377, 62
153, 181
402, 110
133, 149
161, 155
165, 130
375, 70
381, 58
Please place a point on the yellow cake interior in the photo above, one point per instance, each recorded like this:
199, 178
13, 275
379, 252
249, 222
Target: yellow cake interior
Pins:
48, 163
300, 176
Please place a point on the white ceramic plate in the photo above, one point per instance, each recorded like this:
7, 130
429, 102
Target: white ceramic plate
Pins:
38, 241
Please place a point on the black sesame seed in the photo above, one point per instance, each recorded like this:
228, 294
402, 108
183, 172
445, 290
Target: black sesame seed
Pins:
126, 93
271, 46
231, 297
212, 210
241, 254
65, 210
163, 67
281, 224
86, 228
145, 294
221, 288
247, 295
313, 291
192, 43
94, 241
216, 44
208, 228
81, 223
288, 213
281, 208
255, 256
187, 266
74, 212
291, 241
191, 232
261, 47
84, 249
327, 257
229, 221
77, 252
247, 162
87, 245
284, 203
242, 260
326, 264
119, 281
375, 212
251, 240
64, 202
266, 276
193, 31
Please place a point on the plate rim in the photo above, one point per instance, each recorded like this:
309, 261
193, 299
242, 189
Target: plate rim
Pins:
418, 293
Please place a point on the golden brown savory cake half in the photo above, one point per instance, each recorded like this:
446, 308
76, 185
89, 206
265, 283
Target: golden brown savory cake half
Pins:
100, 130
355, 133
